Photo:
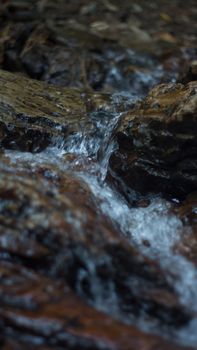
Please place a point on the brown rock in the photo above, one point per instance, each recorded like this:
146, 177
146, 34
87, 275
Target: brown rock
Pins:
34, 115
50, 221
157, 143
39, 313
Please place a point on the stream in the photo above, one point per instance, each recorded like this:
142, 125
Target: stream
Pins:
154, 230
98, 175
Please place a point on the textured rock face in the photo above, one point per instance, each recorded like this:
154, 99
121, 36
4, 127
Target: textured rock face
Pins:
34, 114
157, 143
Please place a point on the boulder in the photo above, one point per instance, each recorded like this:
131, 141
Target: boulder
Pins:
157, 142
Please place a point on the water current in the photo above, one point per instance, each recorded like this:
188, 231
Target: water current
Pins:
155, 224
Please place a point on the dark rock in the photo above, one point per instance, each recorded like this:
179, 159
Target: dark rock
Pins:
157, 143
187, 212
50, 221
190, 74
94, 45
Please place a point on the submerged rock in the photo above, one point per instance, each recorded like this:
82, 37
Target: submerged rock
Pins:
157, 143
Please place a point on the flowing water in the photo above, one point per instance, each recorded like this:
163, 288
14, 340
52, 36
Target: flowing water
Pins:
154, 224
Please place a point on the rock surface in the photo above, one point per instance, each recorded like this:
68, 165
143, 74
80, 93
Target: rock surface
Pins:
93, 45
44, 223
34, 115
157, 143
40, 313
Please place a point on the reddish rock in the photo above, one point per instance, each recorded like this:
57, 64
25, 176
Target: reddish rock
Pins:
40, 313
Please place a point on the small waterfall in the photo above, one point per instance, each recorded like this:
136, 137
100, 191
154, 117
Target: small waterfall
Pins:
153, 229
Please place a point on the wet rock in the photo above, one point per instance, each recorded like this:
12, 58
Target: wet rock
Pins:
94, 46
157, 143
50, 221
191, 73
40, 313
34, 115
69, 279
50, 52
